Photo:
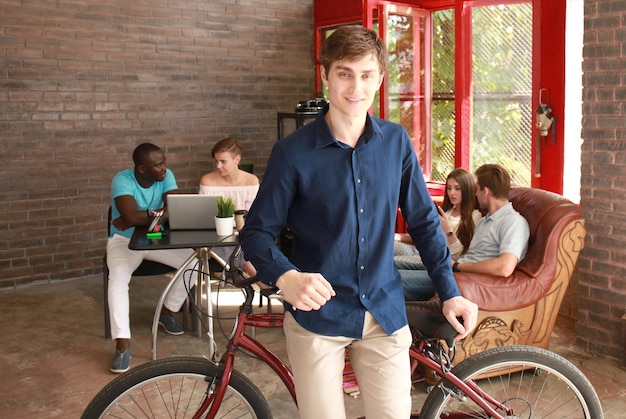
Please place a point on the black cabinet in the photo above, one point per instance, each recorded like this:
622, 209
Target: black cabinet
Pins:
300, 118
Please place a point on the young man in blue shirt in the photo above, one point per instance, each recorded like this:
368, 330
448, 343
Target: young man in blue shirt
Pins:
337, 183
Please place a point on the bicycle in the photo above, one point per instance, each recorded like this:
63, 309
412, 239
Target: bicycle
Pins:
505, 382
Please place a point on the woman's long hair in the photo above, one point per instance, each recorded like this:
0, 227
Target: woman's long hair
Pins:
465, 179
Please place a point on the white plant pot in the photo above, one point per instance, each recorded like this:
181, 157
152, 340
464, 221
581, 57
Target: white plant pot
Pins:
224, 226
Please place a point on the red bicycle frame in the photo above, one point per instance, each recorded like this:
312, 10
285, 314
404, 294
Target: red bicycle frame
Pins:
239, 339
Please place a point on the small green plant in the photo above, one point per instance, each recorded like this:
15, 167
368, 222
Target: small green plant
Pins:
225, 207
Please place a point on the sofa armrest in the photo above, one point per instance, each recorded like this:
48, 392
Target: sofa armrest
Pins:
493, 293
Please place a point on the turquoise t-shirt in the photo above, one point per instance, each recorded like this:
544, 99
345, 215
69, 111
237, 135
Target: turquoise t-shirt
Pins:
124, 183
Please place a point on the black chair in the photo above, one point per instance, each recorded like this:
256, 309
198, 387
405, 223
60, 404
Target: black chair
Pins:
147, 268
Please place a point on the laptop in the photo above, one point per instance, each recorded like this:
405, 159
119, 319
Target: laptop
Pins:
191, 211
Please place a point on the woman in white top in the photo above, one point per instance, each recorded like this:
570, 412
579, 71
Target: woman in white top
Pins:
229, 181
458, 215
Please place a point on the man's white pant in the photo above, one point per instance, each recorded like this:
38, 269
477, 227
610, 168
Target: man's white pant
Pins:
122, 262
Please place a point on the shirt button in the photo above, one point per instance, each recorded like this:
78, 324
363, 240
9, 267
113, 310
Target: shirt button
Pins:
362, 239
362, 267
358, 181
363, 296
361, 210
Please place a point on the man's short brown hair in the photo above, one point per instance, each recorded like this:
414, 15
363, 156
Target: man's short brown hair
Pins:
494, 177
353, 43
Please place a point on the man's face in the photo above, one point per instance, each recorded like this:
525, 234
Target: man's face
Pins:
154, 167
481, 195
352, 85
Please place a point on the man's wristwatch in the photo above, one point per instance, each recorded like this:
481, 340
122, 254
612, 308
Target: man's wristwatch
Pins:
455, 267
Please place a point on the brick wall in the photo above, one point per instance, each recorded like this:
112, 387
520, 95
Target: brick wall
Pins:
602, 267
82, 83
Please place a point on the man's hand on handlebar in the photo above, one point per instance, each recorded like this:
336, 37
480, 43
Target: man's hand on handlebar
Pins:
464, 308
305, 291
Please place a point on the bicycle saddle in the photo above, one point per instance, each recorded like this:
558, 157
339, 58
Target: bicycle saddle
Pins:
428, 320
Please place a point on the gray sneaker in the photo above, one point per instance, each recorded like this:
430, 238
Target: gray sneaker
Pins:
171, 326
121, 362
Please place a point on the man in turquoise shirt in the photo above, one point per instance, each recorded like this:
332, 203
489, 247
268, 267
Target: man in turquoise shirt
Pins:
133, 193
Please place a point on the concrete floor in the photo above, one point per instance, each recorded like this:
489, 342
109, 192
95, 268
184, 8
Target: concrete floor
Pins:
54, 357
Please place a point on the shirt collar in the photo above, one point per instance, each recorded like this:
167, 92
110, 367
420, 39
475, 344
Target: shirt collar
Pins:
327, 138
500, 212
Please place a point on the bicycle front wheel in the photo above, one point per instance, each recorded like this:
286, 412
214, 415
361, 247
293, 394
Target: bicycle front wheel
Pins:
176, 388
532, 382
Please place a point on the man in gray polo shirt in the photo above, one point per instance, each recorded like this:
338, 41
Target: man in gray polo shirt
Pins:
500, 238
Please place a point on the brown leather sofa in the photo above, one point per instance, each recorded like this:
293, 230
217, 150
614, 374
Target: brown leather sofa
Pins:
522, 308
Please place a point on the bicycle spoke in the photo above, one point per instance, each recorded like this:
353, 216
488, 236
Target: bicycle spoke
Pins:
527, 382
177, 388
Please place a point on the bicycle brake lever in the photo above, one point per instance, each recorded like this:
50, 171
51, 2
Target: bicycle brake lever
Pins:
237, 278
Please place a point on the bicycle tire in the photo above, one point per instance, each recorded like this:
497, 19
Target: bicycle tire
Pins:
535, 382
175, 387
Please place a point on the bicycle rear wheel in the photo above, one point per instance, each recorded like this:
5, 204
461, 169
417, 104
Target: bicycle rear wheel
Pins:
176, 387
534, 382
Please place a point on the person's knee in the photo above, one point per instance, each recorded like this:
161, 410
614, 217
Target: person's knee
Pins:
416, 285
408, 263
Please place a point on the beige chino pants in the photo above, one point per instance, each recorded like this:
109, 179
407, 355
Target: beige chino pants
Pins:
380, 362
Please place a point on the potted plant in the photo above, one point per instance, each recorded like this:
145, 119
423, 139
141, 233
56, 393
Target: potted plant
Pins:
225, 218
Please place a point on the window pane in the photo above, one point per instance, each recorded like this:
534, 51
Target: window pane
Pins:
502, 84
443, 135
406, 79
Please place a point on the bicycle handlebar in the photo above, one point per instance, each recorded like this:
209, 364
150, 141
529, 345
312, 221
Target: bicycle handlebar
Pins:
234, 273
425, 316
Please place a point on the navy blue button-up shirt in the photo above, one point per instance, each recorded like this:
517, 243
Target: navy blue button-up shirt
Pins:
340, 204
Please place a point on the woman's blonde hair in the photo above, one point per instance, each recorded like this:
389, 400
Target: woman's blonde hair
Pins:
227, 144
